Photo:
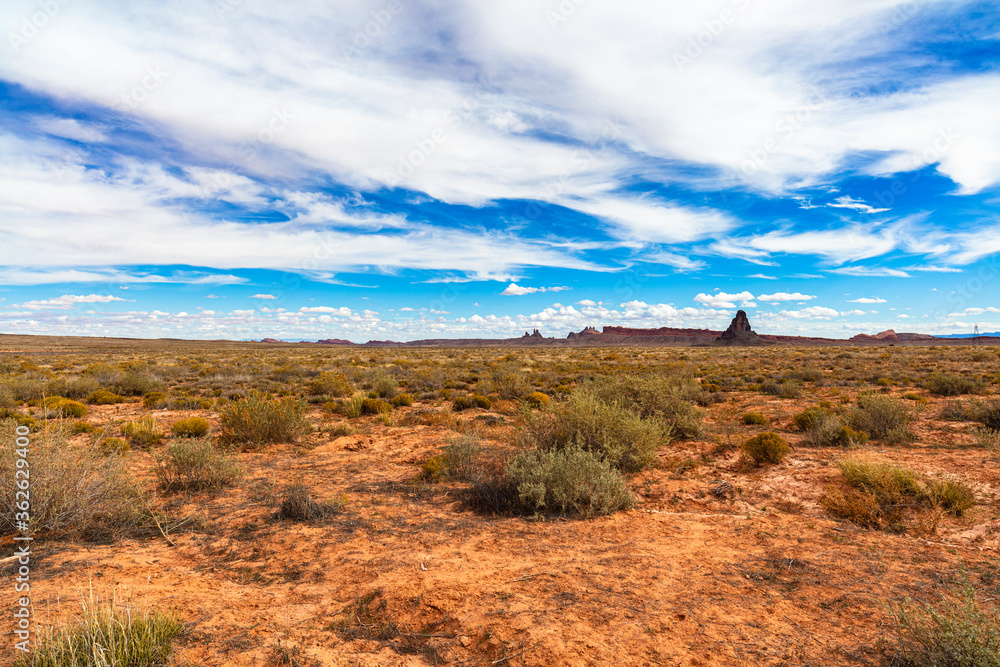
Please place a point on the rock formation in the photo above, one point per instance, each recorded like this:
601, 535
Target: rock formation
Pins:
587, 331
887, 336
535, 334
740, 333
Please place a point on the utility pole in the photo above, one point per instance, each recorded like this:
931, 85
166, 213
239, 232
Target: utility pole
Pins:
975, 332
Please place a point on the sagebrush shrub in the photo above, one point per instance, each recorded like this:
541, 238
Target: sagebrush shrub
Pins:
261, 419
104, 397
608, 429
375, 406
766, 448
57, 406
537, 399
402, 400
571, 480
754, 419
330, 384
989, 415
945, 384
662, 396
883, 418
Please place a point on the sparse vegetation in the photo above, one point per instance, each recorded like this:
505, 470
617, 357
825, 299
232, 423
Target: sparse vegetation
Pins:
298, 504
754, 419
766, 448
883, 418
260, 419
195, 465
144, 432
190, 427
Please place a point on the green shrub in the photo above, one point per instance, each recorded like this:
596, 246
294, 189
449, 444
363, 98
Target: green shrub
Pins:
374, 406
385, 387
956, 633
330, 384
6, 397
18, 419
481, 401
143, 433
943, 384
883, 418
75, 491
81, 427
754, 419
468, 402
135, 383
811, 418
107, 633
459, 460
958, 411
195, 465
261, 419
57, 406
611, 431
781, 389
766, 448
190, 427
402, 400
571, 480
297, 504
104, 397
824, 428
895, 486
665, 396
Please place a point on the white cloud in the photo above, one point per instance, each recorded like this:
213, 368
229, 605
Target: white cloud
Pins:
866, 299
516, 290
343, 311
855, 204
810, 313
263, 296
586, 302
871, 272
67, 301
724, 300
785, 296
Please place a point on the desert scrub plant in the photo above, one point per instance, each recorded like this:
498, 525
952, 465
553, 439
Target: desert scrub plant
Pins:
781, 389
72, 386
375, 406
113, 446
988, 415
190, 427
754, 419
297, 504
367, 618
107, 632
896, 487
104, 397
459, 460
143, 433
508, 381
155, 400
330, 384
468, 402
537, 399
958, 632
571, 480
195, 465
57, 406
261, 419
611, 431
883, 418
402, 400
824, 428
946, 384
766, 448
663, 396
136, 383
75, 491
354, 406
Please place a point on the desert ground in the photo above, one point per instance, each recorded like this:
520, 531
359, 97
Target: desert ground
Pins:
380, 517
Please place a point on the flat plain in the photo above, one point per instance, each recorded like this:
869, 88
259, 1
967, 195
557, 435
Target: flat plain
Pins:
360, 506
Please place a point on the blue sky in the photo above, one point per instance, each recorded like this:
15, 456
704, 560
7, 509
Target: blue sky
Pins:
402, 170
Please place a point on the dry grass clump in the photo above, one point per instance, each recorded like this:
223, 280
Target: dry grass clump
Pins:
297, 504
956, 633
881, 492
75, 387
107, 633
195, 465
375, 406
75, 491
508, 381
402, 400
989, 415
883, 418
190, 427
459, 461
766, 448
261, 419
143, 433
367, 618
626, 439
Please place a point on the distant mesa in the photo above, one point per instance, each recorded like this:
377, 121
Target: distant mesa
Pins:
535, 334
739, 333
334, 341
887, 336
587, 331
270, 340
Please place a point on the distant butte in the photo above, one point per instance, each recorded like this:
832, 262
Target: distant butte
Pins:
740, 333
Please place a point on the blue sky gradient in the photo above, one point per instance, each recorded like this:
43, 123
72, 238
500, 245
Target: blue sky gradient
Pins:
403, 170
